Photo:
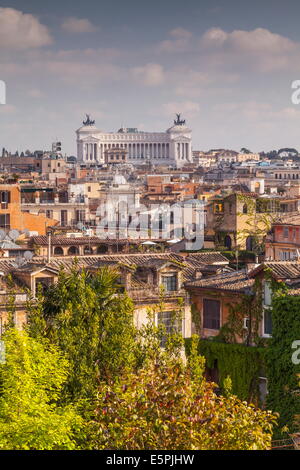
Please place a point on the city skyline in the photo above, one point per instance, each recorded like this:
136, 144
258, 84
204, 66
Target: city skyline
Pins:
226, 67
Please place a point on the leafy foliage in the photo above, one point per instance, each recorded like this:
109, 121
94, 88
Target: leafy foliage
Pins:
31, 381
283, 374
91, 323
243, 364
166, 405
81, 346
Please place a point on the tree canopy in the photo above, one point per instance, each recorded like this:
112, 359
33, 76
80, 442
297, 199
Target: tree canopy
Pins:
31, 381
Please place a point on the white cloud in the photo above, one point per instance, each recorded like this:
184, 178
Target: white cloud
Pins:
178, 43
21, 30
266, 50
259, 40
149, 74
84, 73
257, 113
78, 25
189, 109
180, 33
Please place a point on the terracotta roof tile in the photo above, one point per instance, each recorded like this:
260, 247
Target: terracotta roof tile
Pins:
237, 281
281, 269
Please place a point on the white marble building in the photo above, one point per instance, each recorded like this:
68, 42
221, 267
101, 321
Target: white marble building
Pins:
172, 148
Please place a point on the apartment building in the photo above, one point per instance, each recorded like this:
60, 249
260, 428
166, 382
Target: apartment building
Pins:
14, 216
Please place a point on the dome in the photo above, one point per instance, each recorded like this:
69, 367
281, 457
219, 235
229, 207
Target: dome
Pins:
88, 129
178, 129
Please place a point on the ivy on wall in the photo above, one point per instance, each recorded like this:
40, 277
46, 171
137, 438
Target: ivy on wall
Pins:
243, 364
283, 374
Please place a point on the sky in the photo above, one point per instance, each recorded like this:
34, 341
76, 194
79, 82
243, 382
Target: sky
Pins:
226, 66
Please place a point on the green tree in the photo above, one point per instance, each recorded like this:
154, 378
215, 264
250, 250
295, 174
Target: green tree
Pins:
244, 150
167, 406
91, 321
31, 381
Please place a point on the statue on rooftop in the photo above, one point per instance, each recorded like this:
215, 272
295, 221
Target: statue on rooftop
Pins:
88, 121
178, 121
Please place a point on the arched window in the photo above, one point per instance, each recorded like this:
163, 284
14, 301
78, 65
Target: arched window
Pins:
73, 250
102, 249
245, 209
58, 251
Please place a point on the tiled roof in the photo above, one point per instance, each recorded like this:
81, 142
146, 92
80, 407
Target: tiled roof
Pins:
293, 292
280, 269
237, 281
208, 257
42, 240
189, 263
288, 220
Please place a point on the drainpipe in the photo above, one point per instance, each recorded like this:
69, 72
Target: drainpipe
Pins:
49, 246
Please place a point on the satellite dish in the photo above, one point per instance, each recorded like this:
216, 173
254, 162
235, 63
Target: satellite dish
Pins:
28, 255
14, 234
18, 262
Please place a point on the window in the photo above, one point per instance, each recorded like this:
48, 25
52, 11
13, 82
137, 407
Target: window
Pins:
218, 208
44, 283
172, 323
263, 390
267, 294
5, 199
211, 314
5, 221
80, 216
5, 196
170, 283
63, 218
286, 232
267, 323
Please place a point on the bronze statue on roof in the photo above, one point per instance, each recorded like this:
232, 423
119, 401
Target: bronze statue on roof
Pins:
88, 121
178, 121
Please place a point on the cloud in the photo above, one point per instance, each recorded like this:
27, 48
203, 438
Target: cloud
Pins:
78, 25
178, 43
180, 33
187, 108
259, 40
85, 74
260, 47
257, 113
149, 74
21, 31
